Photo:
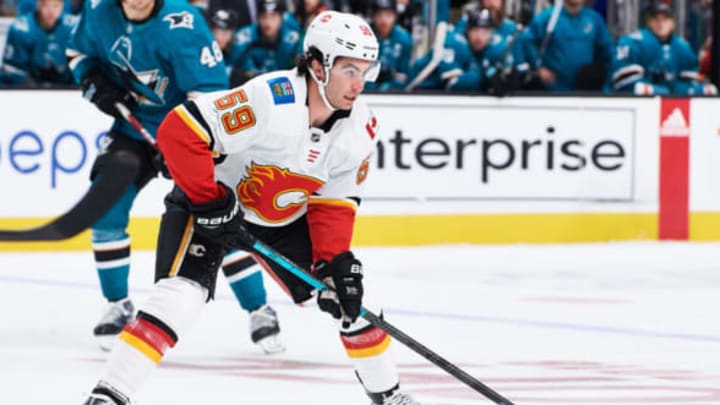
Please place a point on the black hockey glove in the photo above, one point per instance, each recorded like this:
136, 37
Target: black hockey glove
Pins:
220, 220
158, 163
344, 274
102, 92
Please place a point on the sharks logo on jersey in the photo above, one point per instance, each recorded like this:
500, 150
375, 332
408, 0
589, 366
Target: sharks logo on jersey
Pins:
182, 19
150, 85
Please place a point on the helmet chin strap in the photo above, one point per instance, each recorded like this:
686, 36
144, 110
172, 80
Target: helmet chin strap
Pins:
321, 87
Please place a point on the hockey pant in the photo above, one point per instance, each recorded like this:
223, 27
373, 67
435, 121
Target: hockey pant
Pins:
111, 242
186, 272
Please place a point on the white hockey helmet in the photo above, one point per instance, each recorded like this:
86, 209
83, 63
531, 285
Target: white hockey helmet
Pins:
336, 34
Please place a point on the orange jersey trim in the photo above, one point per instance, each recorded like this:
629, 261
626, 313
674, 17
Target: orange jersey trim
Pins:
191, 123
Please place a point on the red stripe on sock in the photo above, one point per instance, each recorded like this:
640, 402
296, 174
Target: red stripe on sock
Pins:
371, 338
150, 334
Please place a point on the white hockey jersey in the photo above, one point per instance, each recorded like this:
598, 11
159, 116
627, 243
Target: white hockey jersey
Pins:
269, 154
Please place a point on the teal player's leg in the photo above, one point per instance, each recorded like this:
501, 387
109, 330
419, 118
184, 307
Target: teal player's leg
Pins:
111, 248
245, 278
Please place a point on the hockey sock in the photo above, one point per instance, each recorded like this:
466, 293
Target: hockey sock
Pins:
173, 305
367, 345
111, 246
112, 260
245, 279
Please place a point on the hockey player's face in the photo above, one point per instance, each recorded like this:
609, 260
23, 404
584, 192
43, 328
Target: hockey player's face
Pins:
347, 81
479, 37
384, 21
662, 25
223, 37
311, 5
49, 11
270, 23
495, 6
139, 6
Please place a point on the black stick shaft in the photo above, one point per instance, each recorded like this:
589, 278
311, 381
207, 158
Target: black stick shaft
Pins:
391, 330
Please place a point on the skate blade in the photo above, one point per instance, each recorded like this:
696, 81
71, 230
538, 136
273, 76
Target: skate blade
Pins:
106, 342
271, 344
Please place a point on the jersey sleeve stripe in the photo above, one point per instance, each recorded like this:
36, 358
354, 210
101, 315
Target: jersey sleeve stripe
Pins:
349, 203
190, 121
192, 108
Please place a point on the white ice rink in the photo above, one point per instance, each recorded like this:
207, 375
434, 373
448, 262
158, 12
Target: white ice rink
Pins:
601, 324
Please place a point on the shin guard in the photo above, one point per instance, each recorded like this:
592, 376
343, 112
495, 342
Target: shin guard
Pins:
173, 305
367, 347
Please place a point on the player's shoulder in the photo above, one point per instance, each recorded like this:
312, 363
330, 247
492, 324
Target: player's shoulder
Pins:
278, 87
365, 125
179, 15
401, 35
290, 35
679, 42
245, 35
69, 20
101, 8
594, 15
23, 23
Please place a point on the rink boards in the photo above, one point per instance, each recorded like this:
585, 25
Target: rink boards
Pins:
448, 169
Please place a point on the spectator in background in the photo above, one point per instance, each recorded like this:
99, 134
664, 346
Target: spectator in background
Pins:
359, 7
705, 59
305, 11
244, 9
655, 60
477, 61
576, 55
395, 46
223, 25
263, 47
409, 13
29, 6
35, 47
504, 27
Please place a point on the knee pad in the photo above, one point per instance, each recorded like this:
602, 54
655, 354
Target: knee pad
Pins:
120, 151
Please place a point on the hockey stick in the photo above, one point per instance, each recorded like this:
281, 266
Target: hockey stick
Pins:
437, 55
557, 8
101, 196
375, 320
125, 112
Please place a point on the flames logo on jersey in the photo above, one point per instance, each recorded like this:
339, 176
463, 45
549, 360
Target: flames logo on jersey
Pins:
273, 193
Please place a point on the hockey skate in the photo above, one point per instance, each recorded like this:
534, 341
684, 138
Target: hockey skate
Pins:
397, 398
100, 399
117, 315
264, 330
103, 394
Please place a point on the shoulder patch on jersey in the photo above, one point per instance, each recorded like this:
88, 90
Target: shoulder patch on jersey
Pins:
243, 35
371, 126
21, 24
282, 90
183, 19
70, 20
94, 3
448, 55
292, 37
363, 171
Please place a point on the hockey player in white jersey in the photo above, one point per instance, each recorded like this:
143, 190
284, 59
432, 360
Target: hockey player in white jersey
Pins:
292, 148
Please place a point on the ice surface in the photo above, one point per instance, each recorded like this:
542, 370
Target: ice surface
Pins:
600, 324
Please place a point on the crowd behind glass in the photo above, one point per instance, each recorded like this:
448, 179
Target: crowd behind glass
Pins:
489, 46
